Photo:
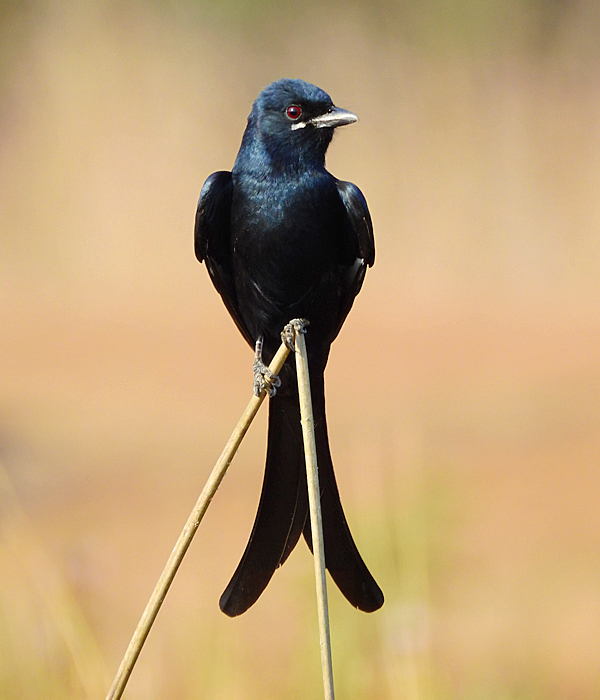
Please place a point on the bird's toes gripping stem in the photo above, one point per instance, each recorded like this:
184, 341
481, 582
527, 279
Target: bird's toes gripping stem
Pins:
288, 334
263, 377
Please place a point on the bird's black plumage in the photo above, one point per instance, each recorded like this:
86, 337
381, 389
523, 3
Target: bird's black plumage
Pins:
282, 239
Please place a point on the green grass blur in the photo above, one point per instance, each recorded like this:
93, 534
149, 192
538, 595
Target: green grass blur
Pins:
463, 392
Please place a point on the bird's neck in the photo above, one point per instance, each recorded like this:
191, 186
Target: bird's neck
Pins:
273, 157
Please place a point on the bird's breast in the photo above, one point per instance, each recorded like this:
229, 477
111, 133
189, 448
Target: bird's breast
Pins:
284, 233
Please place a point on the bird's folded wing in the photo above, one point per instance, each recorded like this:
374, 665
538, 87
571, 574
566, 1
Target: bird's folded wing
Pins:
212, 241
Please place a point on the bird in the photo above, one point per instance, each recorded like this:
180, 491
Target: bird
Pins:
282, 239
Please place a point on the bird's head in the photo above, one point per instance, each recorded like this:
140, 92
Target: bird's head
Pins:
292, 123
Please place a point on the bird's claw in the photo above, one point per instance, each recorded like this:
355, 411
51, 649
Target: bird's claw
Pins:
288, 334
264, 379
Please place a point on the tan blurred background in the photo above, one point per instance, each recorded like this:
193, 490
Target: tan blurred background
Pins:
463, 393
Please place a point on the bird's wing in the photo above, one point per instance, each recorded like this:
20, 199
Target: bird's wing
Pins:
212, 241
359, 233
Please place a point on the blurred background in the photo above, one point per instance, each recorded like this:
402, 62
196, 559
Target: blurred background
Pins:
463, 392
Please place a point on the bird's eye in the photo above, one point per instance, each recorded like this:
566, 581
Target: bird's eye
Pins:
293, 112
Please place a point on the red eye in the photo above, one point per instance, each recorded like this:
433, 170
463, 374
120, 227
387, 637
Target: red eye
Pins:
293, 112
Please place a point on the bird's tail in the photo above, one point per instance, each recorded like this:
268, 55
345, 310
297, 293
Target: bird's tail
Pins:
342, 558
283, 512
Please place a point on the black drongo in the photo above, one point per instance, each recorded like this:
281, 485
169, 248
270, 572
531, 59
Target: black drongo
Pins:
282, 239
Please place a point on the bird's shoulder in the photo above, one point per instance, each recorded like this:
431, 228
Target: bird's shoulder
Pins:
359, 219
213, 213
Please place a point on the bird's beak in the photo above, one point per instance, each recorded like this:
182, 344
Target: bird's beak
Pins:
335, 117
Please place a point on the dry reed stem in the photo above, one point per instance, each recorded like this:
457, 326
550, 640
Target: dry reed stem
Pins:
166, 578
314, 498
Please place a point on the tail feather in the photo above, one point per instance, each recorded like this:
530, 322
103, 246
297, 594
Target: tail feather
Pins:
282, 514
342, 558
279, 521
300, 515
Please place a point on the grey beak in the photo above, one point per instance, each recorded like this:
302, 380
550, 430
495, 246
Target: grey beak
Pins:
335, 117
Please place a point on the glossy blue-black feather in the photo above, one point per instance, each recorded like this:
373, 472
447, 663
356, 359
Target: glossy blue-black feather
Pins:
282, 238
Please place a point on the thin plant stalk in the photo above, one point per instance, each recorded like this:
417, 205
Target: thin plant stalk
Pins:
166, 578
314, 498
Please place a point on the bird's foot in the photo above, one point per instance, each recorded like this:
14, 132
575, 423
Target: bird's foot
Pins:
288, 334
264, 379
